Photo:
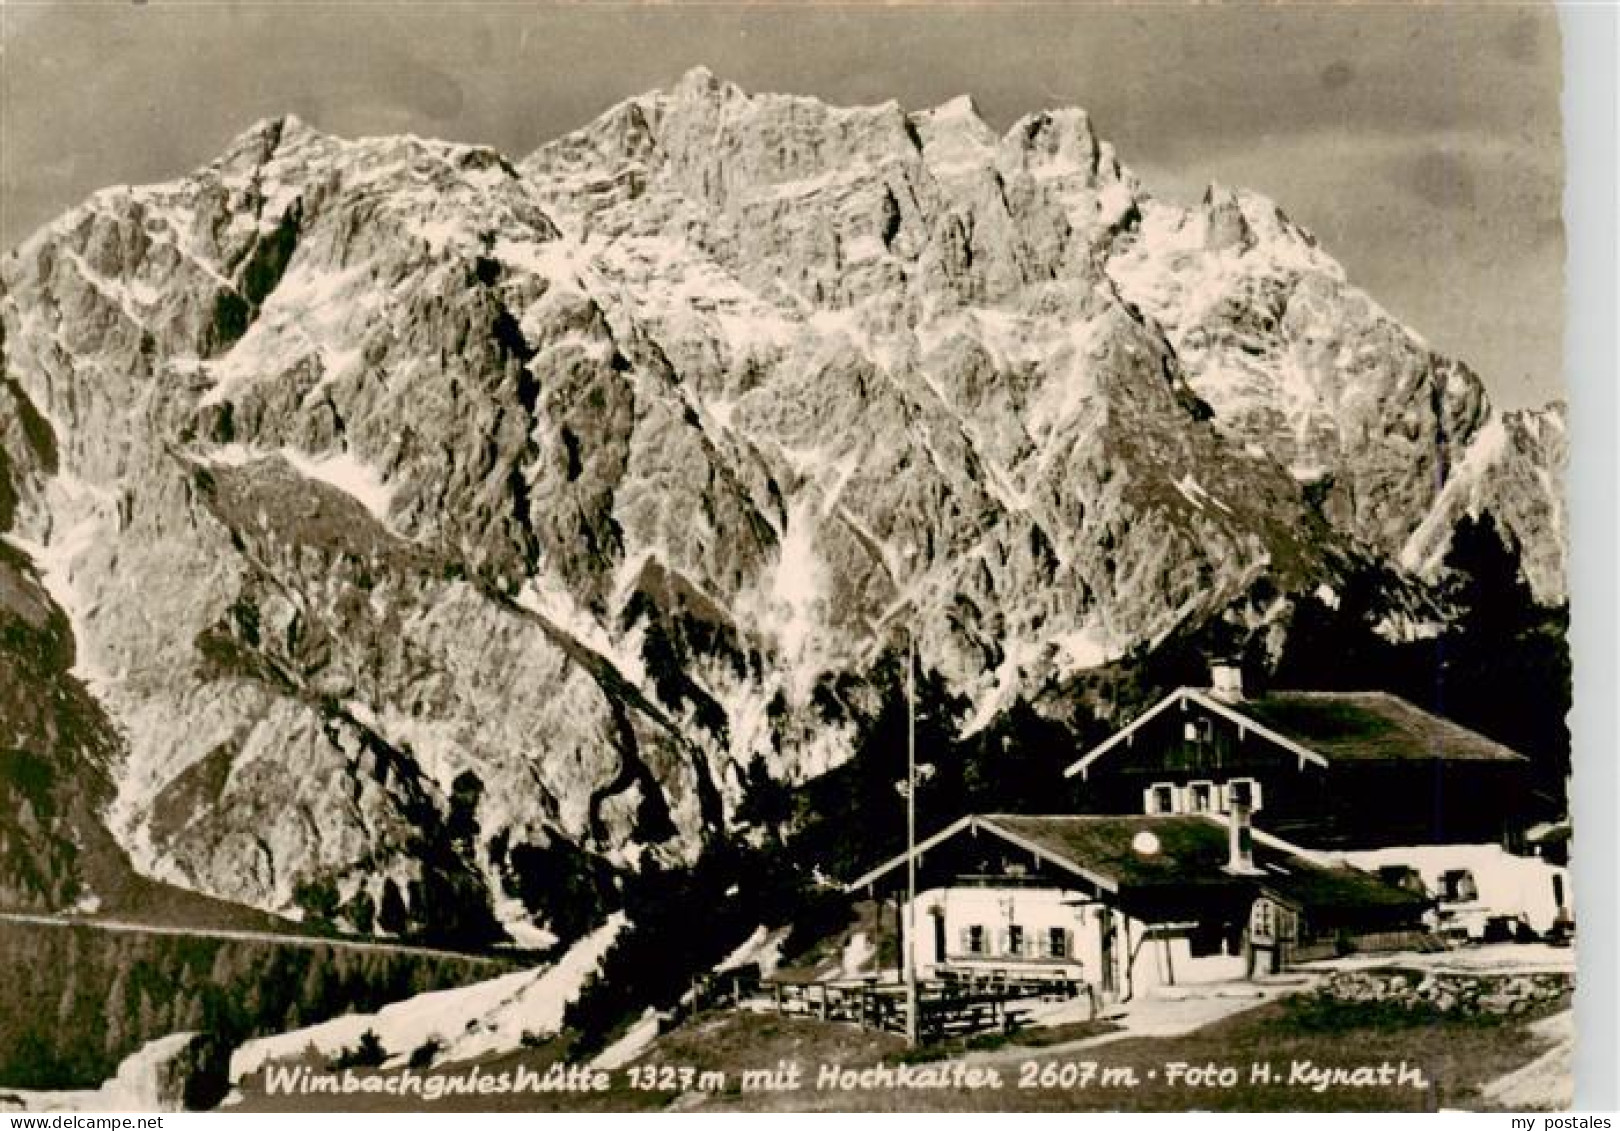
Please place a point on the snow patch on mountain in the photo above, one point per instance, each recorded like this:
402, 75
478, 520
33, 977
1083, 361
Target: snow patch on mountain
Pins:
142, 1082
349, 474
554, 604
309, 315
1463, 492
798, 590
1511, 470
1088, 647
72, 522
342, 470
468, 1022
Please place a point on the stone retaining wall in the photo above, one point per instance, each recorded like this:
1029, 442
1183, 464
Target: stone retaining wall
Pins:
1470, 993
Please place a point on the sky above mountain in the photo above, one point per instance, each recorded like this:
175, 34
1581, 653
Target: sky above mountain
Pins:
1422, 145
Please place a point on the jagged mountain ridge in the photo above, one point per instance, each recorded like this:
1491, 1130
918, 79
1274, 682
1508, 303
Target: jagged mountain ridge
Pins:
409, 506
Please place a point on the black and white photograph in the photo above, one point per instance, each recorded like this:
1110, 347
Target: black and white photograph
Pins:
760, 557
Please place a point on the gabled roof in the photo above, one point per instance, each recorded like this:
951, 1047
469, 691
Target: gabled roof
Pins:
1324, 727
1186, 856
1208, 702
998, 826
1372, 726
1187, 847
1098, 850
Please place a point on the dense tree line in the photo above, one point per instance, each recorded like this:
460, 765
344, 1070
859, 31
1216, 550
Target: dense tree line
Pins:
75, 1000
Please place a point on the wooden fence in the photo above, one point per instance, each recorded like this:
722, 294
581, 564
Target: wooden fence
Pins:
1370, 942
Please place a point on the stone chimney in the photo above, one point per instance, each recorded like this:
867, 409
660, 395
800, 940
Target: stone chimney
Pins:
1239, 834
1226, 682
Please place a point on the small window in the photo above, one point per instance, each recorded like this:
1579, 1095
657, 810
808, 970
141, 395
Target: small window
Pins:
974, 940
1402, 876
1201, 797
1457, 886
1015, 939
1245, 790
1161, 798
1057, 942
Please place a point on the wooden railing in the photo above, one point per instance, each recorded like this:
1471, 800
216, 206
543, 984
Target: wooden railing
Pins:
946, 1007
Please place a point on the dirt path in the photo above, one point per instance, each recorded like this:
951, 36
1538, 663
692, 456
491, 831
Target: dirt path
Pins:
1545, 1084
1169, 1016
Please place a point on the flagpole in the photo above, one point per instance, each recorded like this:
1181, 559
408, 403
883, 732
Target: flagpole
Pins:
912, 1020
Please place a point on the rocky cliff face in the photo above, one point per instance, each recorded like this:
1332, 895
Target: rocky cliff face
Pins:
1395, 441
408, 507
1510, 470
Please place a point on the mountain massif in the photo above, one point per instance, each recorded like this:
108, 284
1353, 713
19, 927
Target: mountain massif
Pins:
393, 531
